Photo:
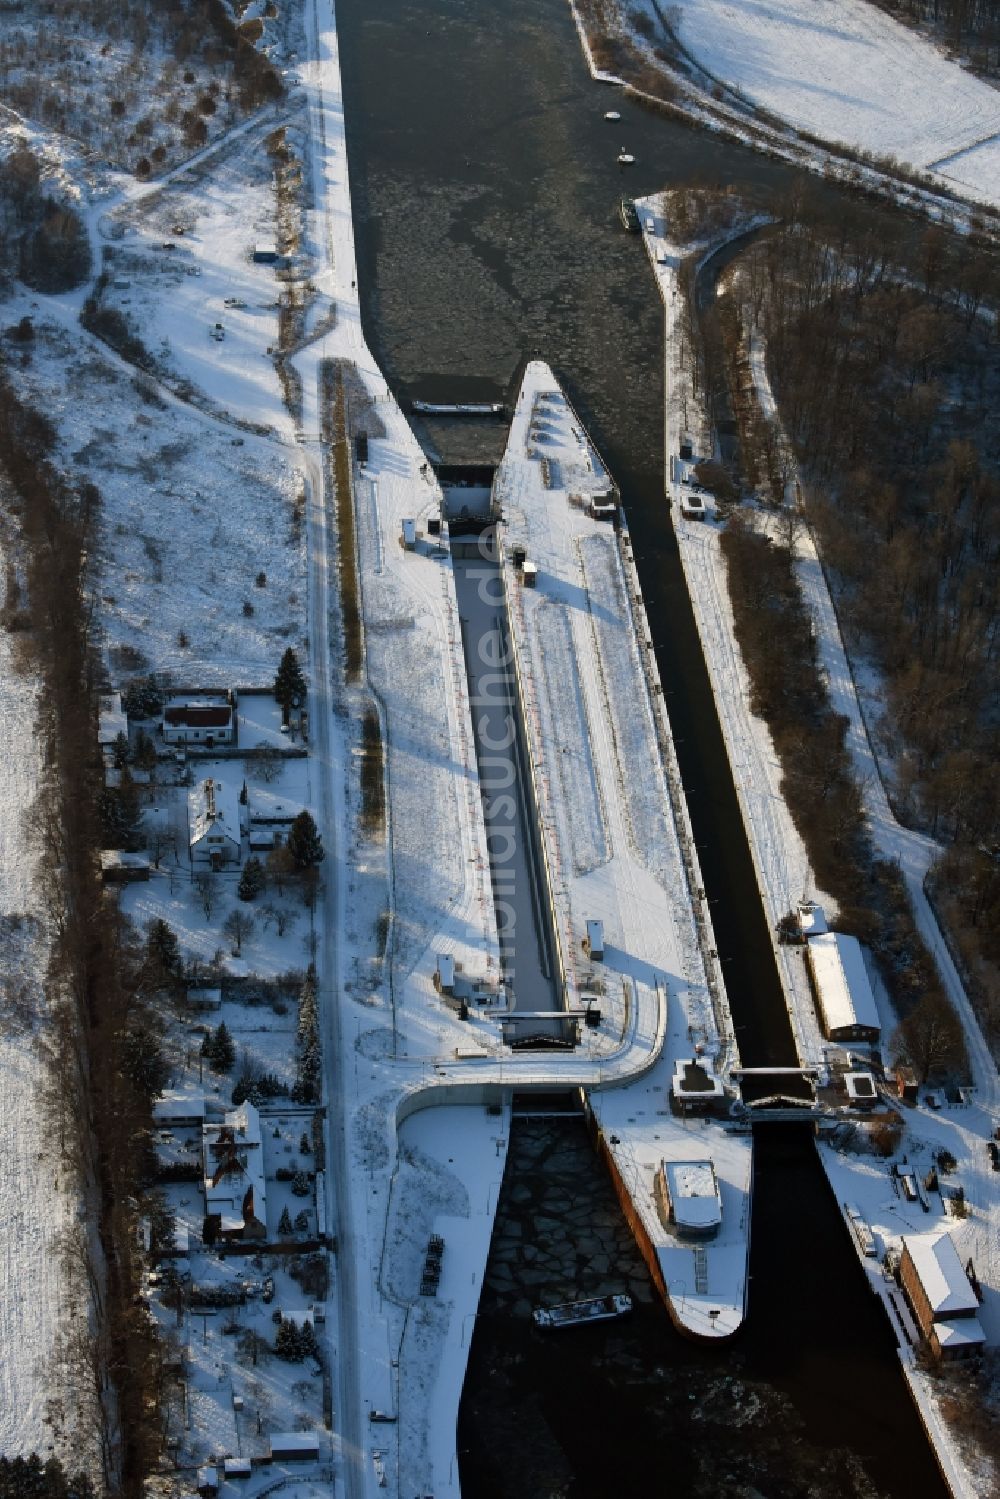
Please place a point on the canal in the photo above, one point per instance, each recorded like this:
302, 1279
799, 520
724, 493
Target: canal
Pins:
485, 187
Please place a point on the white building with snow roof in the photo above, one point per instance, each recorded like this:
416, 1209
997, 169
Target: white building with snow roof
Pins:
842, 987
214, 823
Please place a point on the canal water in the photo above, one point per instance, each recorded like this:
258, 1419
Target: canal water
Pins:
485, 188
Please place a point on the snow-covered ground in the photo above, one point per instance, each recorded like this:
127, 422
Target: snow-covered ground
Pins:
38, 1205
844, 71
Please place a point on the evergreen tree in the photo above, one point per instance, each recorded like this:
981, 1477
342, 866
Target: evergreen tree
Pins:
285, 1222
163, 949
121, 750
304, 842
219, 1049
145, 751
251, 880
289, 683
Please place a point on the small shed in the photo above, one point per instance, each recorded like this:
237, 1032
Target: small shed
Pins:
294, 1446
595, 940
861, 1090
237, 1469
446, 973
205, 997
904, 1081
688, 1197
265, 252
530, 574
409, 535
208, 1480
120, 868
812, 919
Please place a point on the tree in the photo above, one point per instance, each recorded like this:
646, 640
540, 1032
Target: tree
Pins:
289, 683
143, 1062
205, 886
163, 949
930, 1038
251, 880
285, 1221
120, 750
219, 1049
280, 865
294, 1343
304, 842
145, 751
239, 928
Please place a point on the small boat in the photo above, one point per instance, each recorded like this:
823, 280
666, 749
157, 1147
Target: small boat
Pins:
612, 114
576, 1313
625, 158
628, 215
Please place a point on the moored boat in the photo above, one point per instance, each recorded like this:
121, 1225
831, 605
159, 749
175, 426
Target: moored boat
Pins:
576, 1313
629, 217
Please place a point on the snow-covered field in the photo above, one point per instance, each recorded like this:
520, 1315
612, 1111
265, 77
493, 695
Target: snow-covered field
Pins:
191, 515
845, 72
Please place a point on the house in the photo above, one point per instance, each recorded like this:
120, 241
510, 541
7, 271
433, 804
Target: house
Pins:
941, 1295
207, 719
233, 1161
842, 988
688, 1198
214, 824
294, 1447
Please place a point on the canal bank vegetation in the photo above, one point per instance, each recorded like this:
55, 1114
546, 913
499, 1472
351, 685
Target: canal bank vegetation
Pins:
882, 348
372, 775
101, 1048
338, 446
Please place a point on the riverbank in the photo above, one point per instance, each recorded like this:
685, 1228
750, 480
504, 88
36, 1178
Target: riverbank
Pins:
738, 84
776, 844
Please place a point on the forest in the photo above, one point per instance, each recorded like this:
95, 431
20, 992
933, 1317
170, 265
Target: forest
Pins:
882, 342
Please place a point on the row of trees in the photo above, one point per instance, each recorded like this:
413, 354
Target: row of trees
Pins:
101, 1074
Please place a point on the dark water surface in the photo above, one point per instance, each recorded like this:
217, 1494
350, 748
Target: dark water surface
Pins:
485, 196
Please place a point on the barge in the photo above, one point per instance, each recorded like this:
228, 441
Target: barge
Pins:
578, 1313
